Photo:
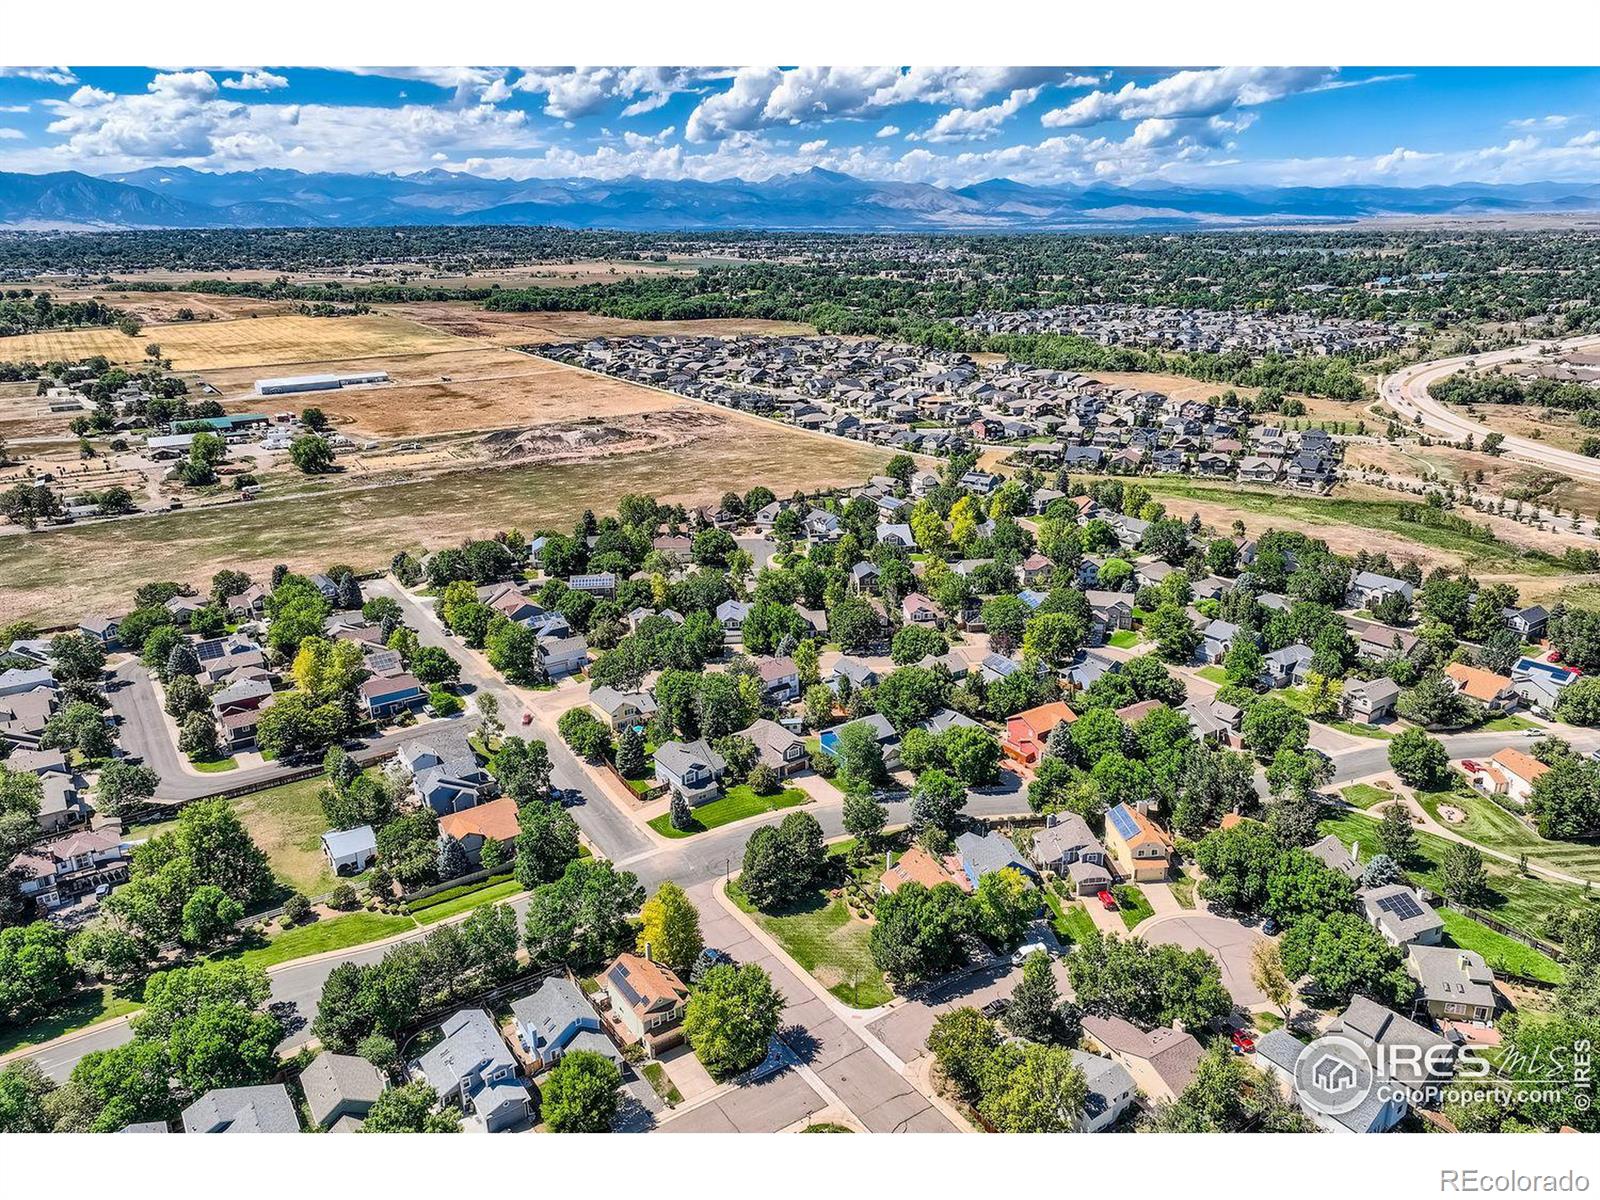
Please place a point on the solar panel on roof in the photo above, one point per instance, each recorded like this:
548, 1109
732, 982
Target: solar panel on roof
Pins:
1401, 905
619, 977
1123, 820
208, 650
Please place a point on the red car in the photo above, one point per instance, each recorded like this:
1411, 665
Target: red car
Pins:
1108, 900
1243, 1043
527, 718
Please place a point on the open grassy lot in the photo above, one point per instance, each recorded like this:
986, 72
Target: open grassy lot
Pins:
1364, 795
334, 933
269, 340
1068, 919
823, 937
735, 804
534, 328
1505, 956
61, 574
1496, 829
1347, 523
488, 894
89, 1007
287, 823
1515, 899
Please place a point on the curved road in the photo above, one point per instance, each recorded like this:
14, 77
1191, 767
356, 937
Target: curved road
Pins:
1406, 391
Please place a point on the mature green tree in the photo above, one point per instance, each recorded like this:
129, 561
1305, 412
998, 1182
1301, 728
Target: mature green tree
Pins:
122, 785
1149, 985
732, 1017
523, 769
1227, 1095
1003, 904
1272, 724
208, 917
1343, 954
120, 1087
580, 1094
1418, 759
584, 917
937, 800
409, 1109
670, 929
24, 1088
35, 973
1034, 1089
972, 755
408, 847
920, 932
1465, 879
864, 818
1396, 835
964, 1042
1174, 633
1566, 799
860, 757
224, 1045
1036, 1011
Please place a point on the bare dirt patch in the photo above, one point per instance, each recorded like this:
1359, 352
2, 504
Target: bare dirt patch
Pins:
519, 329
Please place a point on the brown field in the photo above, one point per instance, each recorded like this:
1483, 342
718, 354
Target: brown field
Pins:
277, 341
552, 274
58, 576
524, 329
1452, 465
1520, 420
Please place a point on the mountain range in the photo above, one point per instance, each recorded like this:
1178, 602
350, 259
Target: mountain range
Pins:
180, 197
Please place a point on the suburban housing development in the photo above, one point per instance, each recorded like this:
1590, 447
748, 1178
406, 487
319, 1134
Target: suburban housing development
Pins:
1082, 677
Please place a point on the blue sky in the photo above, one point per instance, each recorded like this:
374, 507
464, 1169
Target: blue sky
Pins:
951, 126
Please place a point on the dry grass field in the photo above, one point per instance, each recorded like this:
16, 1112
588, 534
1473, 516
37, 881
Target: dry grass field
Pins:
526, 329
282, 341
59, 575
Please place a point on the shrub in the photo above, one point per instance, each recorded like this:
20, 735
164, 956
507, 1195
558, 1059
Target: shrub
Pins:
296, 909
343, 898
681, 817
763, 780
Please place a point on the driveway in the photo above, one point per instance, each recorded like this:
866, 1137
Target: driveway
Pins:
1228, 941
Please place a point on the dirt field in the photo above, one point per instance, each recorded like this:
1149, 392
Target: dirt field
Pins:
60, 575
1500, 475
276, 341
523, 329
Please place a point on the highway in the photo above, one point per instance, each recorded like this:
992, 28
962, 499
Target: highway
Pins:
1406, 391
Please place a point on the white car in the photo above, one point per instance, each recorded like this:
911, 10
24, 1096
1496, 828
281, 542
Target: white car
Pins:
1027, 948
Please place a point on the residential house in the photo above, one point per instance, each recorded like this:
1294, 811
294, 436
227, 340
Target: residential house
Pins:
1370, 700
264, 1109
1217, 640
883, 732
340, 1087
563, 655
917, 609
556, 1020
780, 678
691, 769
101, 629
383, 696
1289, 666
1530, 623
1027, 732
1035, 570
445, 773
1112, 610
1111, 1091
57, 872
1508, 772
1162, 1061
1067, 847
731, 616
1368, 589
475, 827
1374, 639
916, 865
776, 747
350, 851
896, 535
602, 583
1401, 915
23, 717
472, 1067
1495, 692
647, 1000
856, 671
1538, 684
983, 854
21, 680
1331, 853
1453, 984
622, 710
1141, 848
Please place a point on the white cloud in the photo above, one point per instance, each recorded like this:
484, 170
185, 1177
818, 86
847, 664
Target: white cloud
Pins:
256, 81
10, 134
572, 92
1592, 138
887, 131
60, 76
961, 124
88, 97
649, 104
815, 147
190, 84
1190, 94
15, 108
496, 92
1550, 121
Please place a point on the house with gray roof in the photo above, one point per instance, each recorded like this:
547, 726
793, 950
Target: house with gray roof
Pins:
622, 709
692, 769
264, 1109
1217, 638
1454, 984
983, 854
1111, 1091
339, 1086
776, 747
1287, 667
473, 1068
856, 671
1370, 700
557, 1019
1331, 852
350, 851
1401, 915
1067, 846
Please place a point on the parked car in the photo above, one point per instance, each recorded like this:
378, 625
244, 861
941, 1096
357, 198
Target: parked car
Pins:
1107, 899
527, 718
1243, 1043
1020, 955
1269, 927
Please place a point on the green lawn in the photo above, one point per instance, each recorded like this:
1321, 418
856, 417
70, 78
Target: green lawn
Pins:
89, 1007
656, 1074
1132, 904
1123, 639
1495, 828
1365, 795
446, 909
210, 768
1183, 888
334, 933
1505, 956
733, 805
1359, 729
288, 824
1069, 919
823, 937
1506, 723
1515, 899
1214, 673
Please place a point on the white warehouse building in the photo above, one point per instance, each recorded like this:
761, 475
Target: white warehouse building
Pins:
316, 383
